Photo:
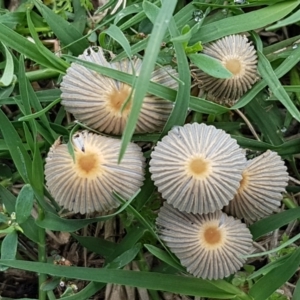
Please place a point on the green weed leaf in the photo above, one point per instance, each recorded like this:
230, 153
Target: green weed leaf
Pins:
24, 203
210, 65
9, 247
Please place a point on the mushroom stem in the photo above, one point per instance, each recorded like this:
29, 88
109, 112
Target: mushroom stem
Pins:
248, 124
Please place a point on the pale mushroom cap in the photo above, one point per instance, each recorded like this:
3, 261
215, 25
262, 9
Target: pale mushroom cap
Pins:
97, 100
238, 55
197, 168
264, 179
210, 246
87, 184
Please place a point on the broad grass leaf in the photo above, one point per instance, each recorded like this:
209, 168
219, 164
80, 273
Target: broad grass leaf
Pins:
296, 294
19, 43
283, 68
287, 148
179, 112
114, 32
262, 289
56, 62
11, 19
8, 72
164, 256
65, 31
149, 280
16, 148
129, 10
125, 258
266, 117
266, 71
293, 18
96, 245
258, 18
274, 222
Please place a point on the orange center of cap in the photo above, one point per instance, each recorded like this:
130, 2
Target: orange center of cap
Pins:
199, 167
212, 235
234, 66
118, 97
87, 164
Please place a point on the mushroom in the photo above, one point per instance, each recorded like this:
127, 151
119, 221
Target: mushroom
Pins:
86, 183
237, 55
259, 195
197, 168
210, 246
104, 103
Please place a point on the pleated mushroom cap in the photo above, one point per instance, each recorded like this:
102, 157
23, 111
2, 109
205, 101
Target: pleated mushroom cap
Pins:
210, 246
86, 184
238, 55
100, 102
197, 168
259, 195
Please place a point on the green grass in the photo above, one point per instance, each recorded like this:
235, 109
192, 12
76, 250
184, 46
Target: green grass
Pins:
31, 120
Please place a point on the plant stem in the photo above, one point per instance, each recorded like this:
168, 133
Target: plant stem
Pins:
25, 31
289, 203
211, 118
51, 295
41, 74
42, 253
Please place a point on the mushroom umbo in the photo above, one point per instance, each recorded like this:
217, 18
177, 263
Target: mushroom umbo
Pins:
210, 246
260, 193
86, 184
197, 168
104, 103
237, 55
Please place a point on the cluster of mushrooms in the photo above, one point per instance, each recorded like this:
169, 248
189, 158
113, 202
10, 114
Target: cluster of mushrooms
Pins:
198, 169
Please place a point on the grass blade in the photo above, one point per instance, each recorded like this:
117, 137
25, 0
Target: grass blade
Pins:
295, 17
149, 280
274, 222
57, 63
266, 70
54, 222
244, 22
19, 43
285, 66
16, 148
296, 294
114, 32
8, 73
262, 289
159, 28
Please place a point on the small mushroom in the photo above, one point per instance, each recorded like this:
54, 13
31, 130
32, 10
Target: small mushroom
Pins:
238, 55
210, 246
86, 184
104, 103
259, 195
197, 168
